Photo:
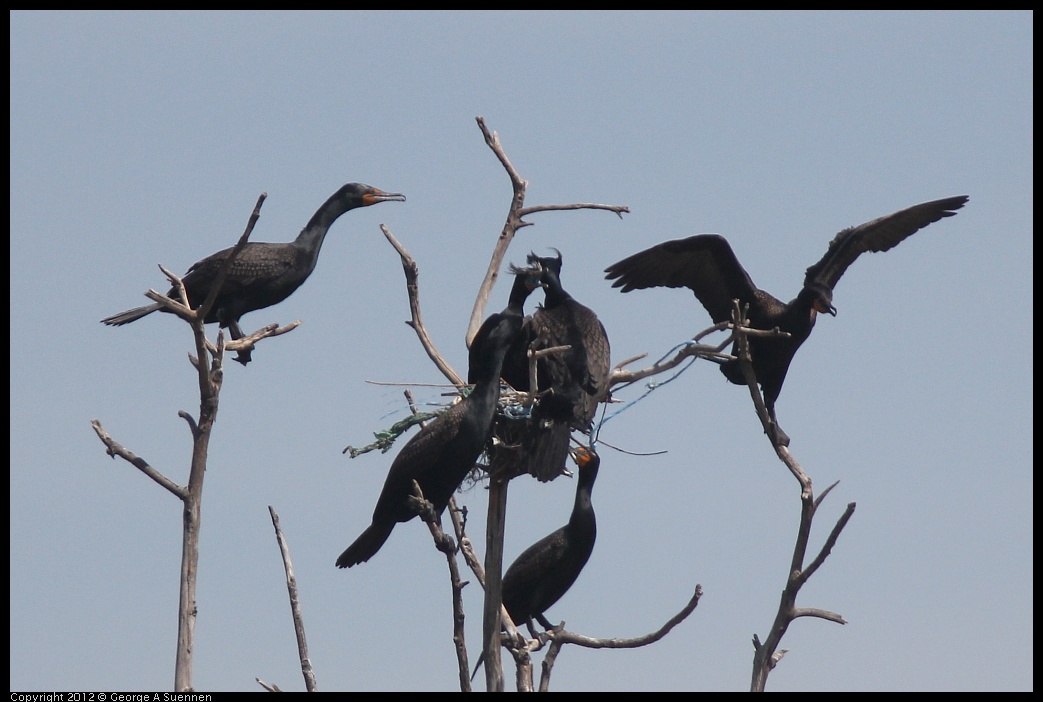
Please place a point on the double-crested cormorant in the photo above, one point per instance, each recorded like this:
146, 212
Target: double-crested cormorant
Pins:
263, 274
545, 571
515, 368
445, 450
571, 383
706, 264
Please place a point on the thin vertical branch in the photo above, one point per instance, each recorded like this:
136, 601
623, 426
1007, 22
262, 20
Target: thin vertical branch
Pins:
295, 604
767, 654
510, 227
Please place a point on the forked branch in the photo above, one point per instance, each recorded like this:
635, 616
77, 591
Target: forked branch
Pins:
767, 654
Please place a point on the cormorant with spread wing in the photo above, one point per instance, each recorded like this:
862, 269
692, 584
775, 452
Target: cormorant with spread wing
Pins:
706, 264
445, 450
262, 274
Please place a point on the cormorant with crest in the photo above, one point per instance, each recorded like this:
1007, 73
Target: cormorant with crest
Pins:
515, 370
571, 383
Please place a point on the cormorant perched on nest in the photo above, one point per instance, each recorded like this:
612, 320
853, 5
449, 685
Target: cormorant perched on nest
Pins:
545, 571
706, 264
445, 450
515, 368
262, 274
571, 383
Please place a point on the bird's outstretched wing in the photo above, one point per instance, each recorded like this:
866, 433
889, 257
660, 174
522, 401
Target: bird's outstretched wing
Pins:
878, 235
704, 263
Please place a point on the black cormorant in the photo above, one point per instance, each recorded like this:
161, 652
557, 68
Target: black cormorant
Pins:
571, 383
515, 368
706, 264
445, 450
545, 571
263, 274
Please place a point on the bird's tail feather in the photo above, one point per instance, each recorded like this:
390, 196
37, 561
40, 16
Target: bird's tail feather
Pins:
547, 449
131, 315
366, 546
481, 659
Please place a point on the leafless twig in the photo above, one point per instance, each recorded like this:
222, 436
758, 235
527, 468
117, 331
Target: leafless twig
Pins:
295, 604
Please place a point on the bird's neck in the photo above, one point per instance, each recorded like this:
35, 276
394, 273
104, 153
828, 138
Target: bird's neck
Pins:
555, 296
583, 520
487, 382
803, 312
583, 509
309, 241
519, 294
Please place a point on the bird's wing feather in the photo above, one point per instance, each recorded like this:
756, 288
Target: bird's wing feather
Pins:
704, 263
878, 235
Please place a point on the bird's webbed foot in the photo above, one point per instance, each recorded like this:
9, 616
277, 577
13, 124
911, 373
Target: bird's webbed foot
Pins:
244, 356
777, 436
542, 619
532, 629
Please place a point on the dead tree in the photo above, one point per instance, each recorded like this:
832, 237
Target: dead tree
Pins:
501, 468
209, 364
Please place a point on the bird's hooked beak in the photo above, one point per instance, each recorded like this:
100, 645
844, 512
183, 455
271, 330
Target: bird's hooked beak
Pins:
533, 275
822, 300
825, 308
375, 196
581, 455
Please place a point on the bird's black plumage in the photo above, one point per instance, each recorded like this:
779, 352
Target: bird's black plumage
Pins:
706, 264
571, 383
445, 450
262, 274
545, 571
515, 369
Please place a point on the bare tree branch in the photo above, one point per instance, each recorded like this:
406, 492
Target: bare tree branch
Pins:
513, 223
618, 209
412, 273
208, 362
767, 654
445, 544
474, 563
295, 604
268, 686
558, 636
510, 227
827, 547
113, 448
222, 273
563, 636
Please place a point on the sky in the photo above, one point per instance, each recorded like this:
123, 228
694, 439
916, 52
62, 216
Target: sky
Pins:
140, 139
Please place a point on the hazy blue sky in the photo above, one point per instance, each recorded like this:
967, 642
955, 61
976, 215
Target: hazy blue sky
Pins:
140, 139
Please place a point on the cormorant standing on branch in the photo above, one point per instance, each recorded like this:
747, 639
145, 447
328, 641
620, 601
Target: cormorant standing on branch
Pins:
445, 450
545, 571
571, 383
262, 274
706, 264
